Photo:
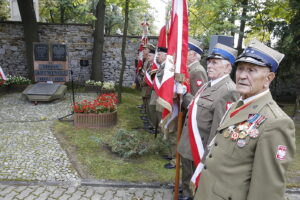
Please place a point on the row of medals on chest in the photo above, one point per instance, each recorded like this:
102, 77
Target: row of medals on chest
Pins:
239, 132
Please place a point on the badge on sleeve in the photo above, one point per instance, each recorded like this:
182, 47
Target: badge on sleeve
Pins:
281, 152
199, 82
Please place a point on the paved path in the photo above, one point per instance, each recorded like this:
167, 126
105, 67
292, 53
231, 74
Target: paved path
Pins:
34, 166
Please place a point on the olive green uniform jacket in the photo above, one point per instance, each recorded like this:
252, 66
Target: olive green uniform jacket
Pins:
211, 108
257, 170
198, 76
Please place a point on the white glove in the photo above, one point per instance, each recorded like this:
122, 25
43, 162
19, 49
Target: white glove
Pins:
180, 88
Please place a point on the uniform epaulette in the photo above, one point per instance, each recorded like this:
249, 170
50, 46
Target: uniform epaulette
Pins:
276, 110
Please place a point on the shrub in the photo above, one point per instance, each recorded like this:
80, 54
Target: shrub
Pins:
132, 143
16, 80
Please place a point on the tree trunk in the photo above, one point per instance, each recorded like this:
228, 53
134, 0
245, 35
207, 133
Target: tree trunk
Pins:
242, 26
123, 52
62, 14
30, 32
97, 74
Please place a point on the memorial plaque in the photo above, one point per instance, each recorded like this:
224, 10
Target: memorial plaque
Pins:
50, 66
48, 78
41, 52
51, 72
59, 52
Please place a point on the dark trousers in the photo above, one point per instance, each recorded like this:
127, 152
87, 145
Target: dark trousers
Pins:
188, 170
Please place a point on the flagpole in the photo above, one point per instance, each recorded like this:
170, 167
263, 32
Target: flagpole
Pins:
179, 130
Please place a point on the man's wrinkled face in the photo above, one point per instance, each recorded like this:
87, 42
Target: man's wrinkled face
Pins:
252, 79
150, 57
145, 52
161, 57
216, 68
191, 57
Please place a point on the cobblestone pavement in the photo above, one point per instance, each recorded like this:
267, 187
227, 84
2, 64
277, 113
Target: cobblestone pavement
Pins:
30, 153
8, 192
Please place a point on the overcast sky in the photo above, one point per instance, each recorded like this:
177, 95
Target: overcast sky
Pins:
160, 6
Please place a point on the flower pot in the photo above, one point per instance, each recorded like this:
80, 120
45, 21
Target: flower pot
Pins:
90, 120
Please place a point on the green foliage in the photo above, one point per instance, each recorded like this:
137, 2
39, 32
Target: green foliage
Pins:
132, 143
16, 80
66, 11
4, 10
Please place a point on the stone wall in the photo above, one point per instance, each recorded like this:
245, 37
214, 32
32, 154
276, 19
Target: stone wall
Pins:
79, 41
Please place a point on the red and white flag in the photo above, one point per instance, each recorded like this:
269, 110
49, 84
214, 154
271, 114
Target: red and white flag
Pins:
144, 41
176, 56
2, 77
162, 42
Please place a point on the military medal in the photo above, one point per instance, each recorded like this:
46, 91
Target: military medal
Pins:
253, 133
243, 134
226, 133
241, 143
234, 136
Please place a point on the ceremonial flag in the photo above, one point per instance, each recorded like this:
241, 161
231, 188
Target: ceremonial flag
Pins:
176, 57
144, 41
2, 77
162, 42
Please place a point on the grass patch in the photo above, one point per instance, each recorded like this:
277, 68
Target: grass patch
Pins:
95, 159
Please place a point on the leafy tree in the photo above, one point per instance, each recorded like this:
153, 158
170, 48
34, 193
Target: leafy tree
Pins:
4, 10
66, 11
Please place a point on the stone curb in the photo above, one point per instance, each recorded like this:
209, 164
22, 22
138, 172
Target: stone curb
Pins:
93, 183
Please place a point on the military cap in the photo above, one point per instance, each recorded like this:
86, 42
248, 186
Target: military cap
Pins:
222, 51
151, 47
259, 54
162, 49
195, 45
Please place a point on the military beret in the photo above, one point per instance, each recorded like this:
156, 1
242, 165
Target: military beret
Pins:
221, 51
259, 54
195, 45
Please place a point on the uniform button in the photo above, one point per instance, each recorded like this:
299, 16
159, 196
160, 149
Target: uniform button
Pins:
205, 167
210, 156
229, 198
202, 138
216, 144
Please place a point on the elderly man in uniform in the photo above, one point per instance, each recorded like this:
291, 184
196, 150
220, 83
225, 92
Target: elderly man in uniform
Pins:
197, 77
197, 73
255, 143
209, 104
154, 108
146, 90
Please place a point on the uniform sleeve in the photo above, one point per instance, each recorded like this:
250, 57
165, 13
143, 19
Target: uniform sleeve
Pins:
187, 98
274, 152
196, 76
219, 111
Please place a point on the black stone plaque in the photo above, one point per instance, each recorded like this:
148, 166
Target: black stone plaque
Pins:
84, 63
50, 66
41, 52
59, 52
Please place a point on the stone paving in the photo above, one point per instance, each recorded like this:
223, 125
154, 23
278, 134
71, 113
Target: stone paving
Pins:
34, 166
